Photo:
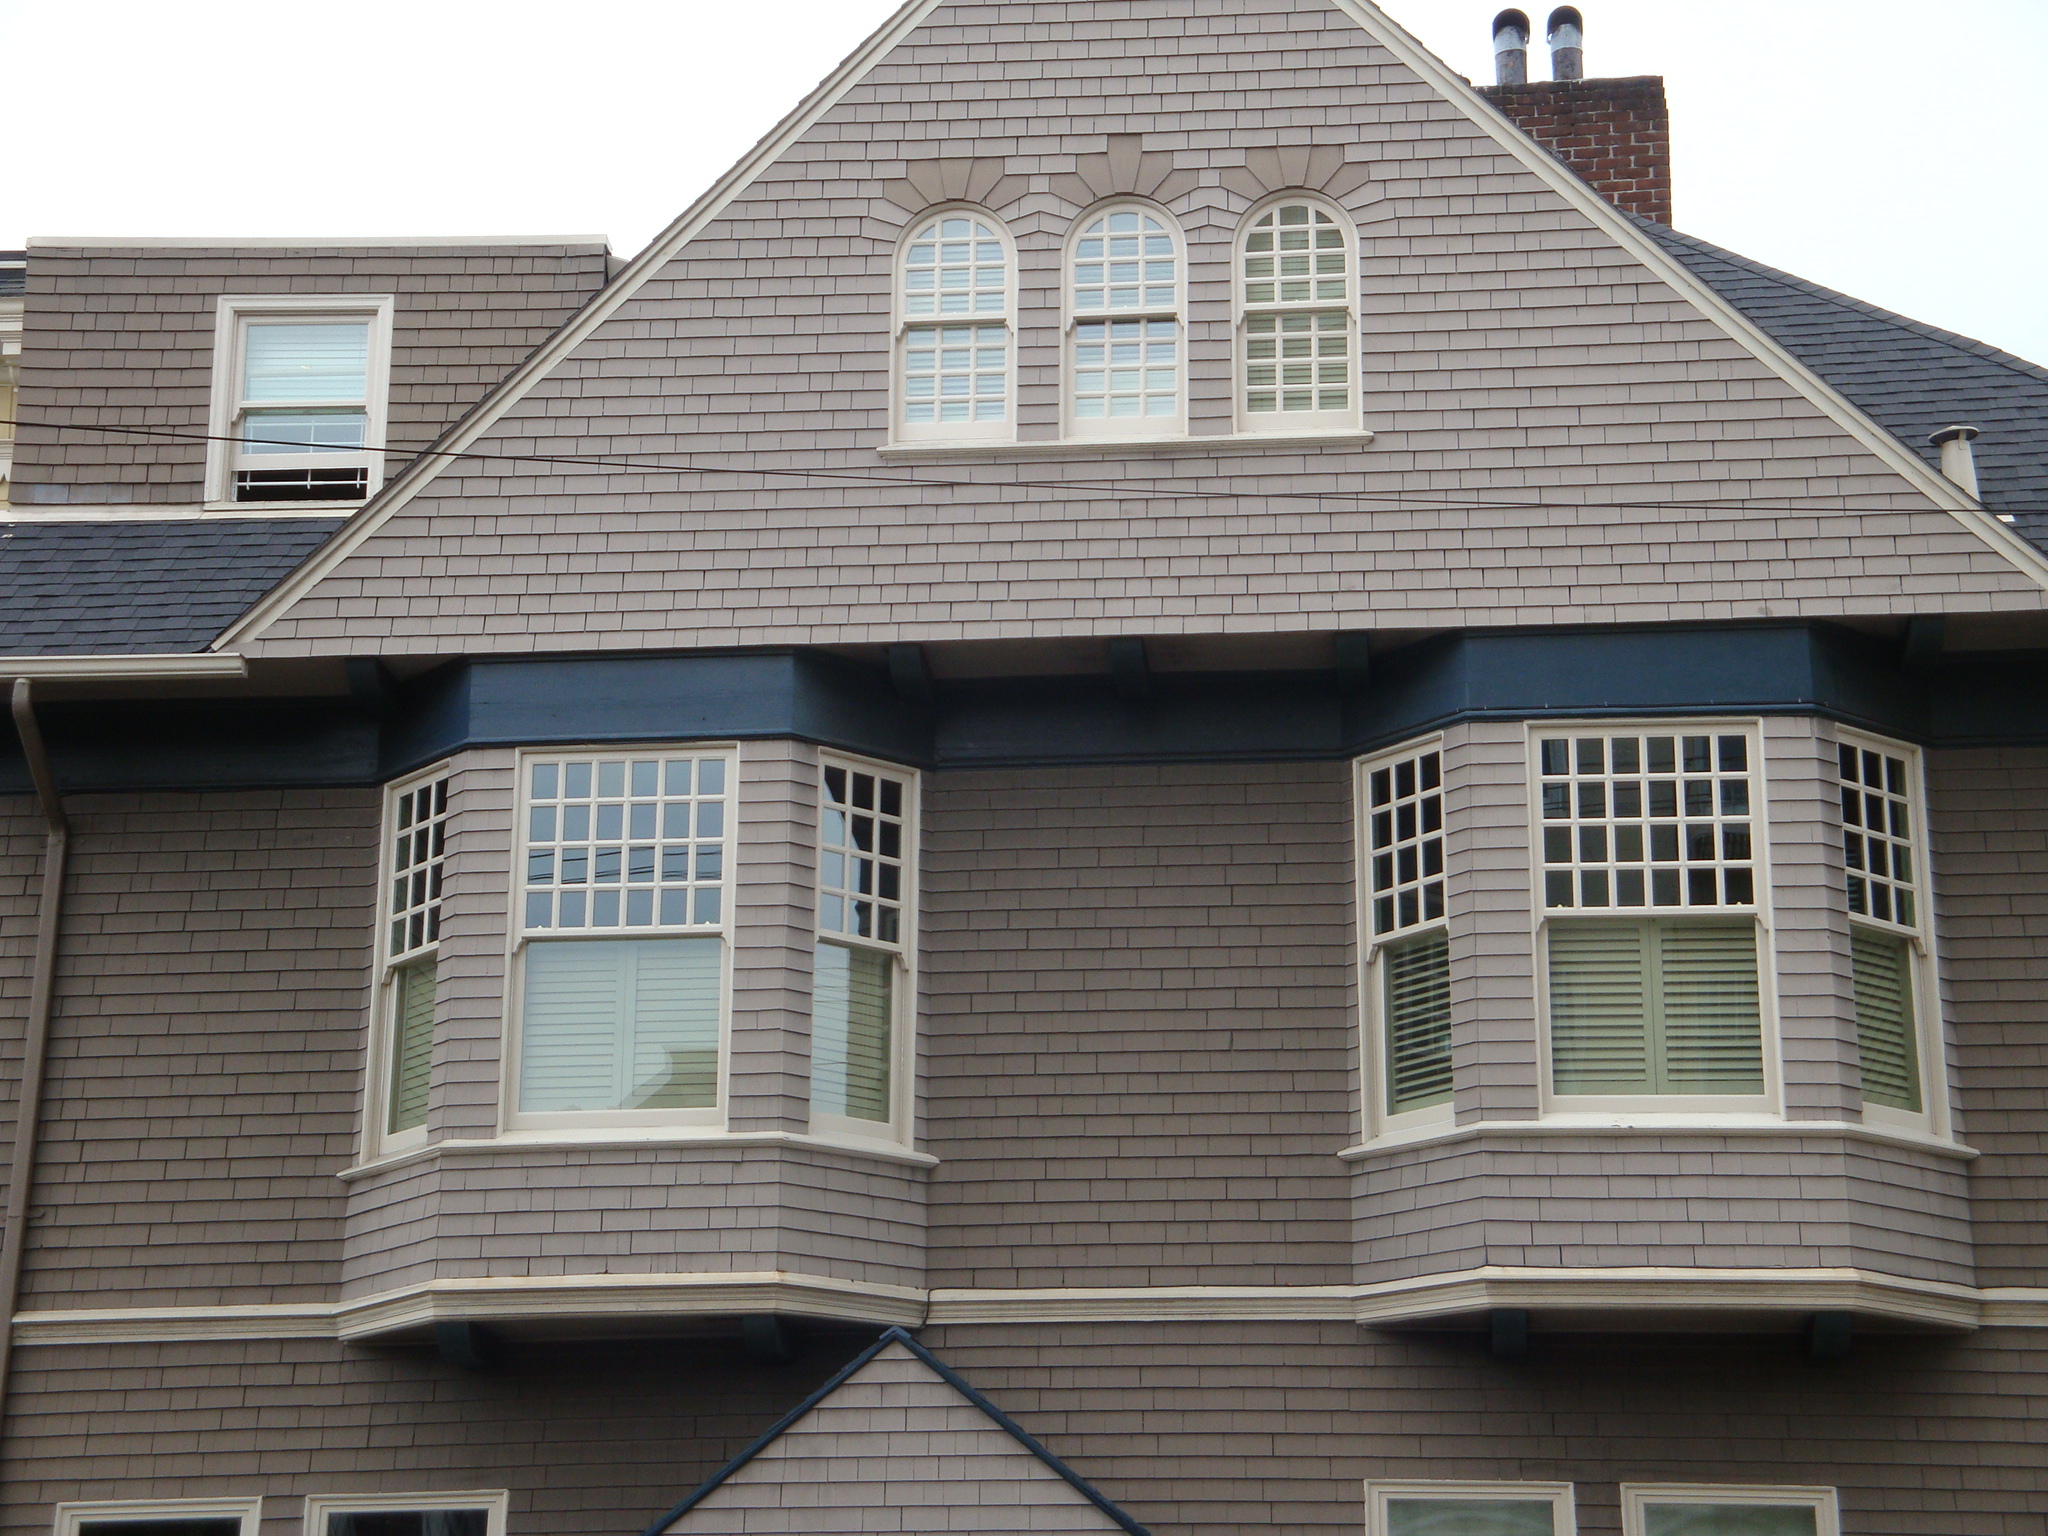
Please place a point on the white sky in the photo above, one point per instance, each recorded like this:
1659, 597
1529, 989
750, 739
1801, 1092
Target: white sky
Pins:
1888, 148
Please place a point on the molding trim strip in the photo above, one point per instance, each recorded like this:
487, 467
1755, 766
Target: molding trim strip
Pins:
1614, 1299
515, 1144
1617, 1125
88, 669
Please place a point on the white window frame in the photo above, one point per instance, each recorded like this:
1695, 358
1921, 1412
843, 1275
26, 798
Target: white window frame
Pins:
1929, 1031
383, 1033
570, 1122
903, 1025
1563, 1511
1378, 1119
1121, 427
1295, 422
901, 322
231, 315
71, 1519
493, 1502
1636, 1497
1661, 1108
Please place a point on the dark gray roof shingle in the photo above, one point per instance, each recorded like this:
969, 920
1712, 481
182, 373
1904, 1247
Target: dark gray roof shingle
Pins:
104, 588
1911, 379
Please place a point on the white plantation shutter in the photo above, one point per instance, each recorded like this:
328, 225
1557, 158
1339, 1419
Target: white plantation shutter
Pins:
412, 1045
853, 1005
1655, 1008
294, 361
1885, 1031
620, 1024
1418, 1007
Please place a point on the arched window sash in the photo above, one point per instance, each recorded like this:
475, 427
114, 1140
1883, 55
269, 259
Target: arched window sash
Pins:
955, 343
1125, 347
1298, 324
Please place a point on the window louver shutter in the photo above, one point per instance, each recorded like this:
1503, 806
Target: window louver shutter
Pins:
1599, 1008
853, 1004
1712, 1025
1418, 1003
412, 1046
1885, 1033
620, 1024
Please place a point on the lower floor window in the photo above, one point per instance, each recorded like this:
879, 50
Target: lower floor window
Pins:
853, 1007
412, 1045
1469, 1509
433, 1514
1417, 1004
610, 1024
1655, 1007
168, 1517
1718, 1511
1886, 1032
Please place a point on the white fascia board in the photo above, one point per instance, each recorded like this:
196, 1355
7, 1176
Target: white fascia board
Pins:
303, 242
94, 669
416, 476
1909, 466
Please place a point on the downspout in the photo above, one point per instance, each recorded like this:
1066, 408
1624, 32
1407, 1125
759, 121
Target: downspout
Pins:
36, 1034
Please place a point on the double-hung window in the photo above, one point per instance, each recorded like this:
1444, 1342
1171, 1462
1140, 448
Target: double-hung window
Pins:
161, 1517
406, 1514
1887, 867
1297, 326
867, 828
954, 374
300, 386
415, 858
1401, 862
1469, 1509
1716, 1510
1125, 342
623, 922
1650, 854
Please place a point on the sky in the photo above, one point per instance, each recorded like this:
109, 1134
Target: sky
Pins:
1887, 148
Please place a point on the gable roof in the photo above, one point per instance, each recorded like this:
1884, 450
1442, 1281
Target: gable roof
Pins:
896, 1338
1910, 378
106, 588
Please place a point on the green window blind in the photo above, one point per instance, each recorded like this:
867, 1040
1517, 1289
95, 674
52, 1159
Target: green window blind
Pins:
1885, 1032
852, 1007
1471, 1517
1655, 1008
620, 1024
412, 1045
1418, 1013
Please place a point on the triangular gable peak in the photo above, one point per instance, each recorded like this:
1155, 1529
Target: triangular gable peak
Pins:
897, 1441
1568, 426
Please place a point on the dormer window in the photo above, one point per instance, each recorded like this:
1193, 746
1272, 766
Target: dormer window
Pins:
954, 346
299, 399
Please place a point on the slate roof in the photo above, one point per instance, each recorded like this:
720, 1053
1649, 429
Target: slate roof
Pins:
1911, 379
102, 588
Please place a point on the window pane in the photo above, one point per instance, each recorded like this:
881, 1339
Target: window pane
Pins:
297, 360
1470, 1517
620, 1024
853, 1008
304, 431
1885, 1030
1418, 1008
412, 1045
164, 1526
432, 1522
608, 824
1729, 1520
954, 266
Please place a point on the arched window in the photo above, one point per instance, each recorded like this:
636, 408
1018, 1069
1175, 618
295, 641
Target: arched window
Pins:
1123, 306
955, 344
1298, 327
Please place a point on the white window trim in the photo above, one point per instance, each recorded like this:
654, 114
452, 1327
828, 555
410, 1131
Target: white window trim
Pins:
1123, 428
493, 1502
1563, 1512
1635, 1497
71, 1518
1377, 1121
232, 309
940, 433
1932, 1033
567, 1124
1684, 1109
901, 1128
377, 1141
1294, 423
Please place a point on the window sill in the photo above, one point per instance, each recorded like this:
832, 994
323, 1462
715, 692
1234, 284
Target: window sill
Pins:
1218, 442
522, 1141
285, 508
1633, 1125
179, 512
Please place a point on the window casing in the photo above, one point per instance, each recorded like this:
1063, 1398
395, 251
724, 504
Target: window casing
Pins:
1705, 1509
301, 386
407, 1514
1126, 341
1405, 944
955, 330
1890, 941
416, 825
1652, 900
622, 928
862, 980
160, 1517
1469, 1509
1297, 319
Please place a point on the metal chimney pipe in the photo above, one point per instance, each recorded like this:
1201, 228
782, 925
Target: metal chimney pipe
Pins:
1511, 48
1958, 458
1566, 36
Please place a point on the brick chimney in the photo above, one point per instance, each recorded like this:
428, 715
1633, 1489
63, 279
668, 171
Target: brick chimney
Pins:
1616, 134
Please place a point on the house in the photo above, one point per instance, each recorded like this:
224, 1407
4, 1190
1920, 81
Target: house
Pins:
1160, 787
